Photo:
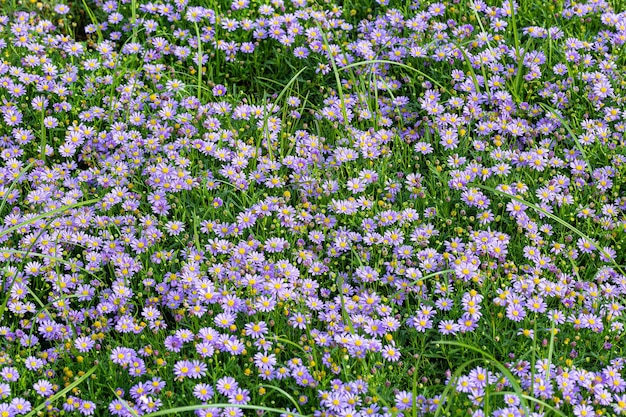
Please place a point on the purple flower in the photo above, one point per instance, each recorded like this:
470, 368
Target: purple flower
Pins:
239, 396
515, 312
467, 323
233, 346
137, 367
219, 90
404, 400
447, 327
232, 412
84, 344
390, 353
173, 343
21, 405
10, 374
226, 385
264, 360
256, 330
42, 387
585, 245
420, 323
5, 390
203, 392
7, 410
444, 304
87, 408
186, 369
122, 355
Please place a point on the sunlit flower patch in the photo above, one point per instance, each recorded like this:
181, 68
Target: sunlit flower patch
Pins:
306, 208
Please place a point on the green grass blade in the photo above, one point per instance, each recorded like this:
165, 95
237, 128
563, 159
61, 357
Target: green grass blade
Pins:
188, 408
285, 393
570, 131
553, 217
14, 183
450, 387
399, 64
503, 369
48, 214
532, 399
94, 21
336, 74
35, 411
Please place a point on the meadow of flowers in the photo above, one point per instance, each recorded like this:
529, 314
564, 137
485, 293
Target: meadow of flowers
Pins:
312, 208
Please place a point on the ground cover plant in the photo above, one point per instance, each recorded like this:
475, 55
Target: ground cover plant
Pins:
312, 208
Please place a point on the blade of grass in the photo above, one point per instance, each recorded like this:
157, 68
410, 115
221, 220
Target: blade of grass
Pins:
471, 69
492, 360
289, 342
553, 331
450, 386
35, 411
399, 64
520, 59
178, 410
14, 183
285, 393
542, 403
124, 403
553, 217
47, 214
570, 131
199, 40
434, 274
94, 21
280, 96
336, 74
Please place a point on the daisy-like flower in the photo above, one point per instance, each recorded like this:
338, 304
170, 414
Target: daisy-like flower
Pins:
265, 360
227, 385
404, 400
21, 405
233, 346
183, 369
256, 330
219, 90
5, 390
43, 388
87, 408
10, 374
84, 344
515, 312
7, 410
173, 343
61, 9
391, 353
204, 392
447, 327
33, 363
225, 319
174, 85
174, 228
232, 412
122, 355
198, 369
205, 349
585, 245
420, 323
239, 396
356, 185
